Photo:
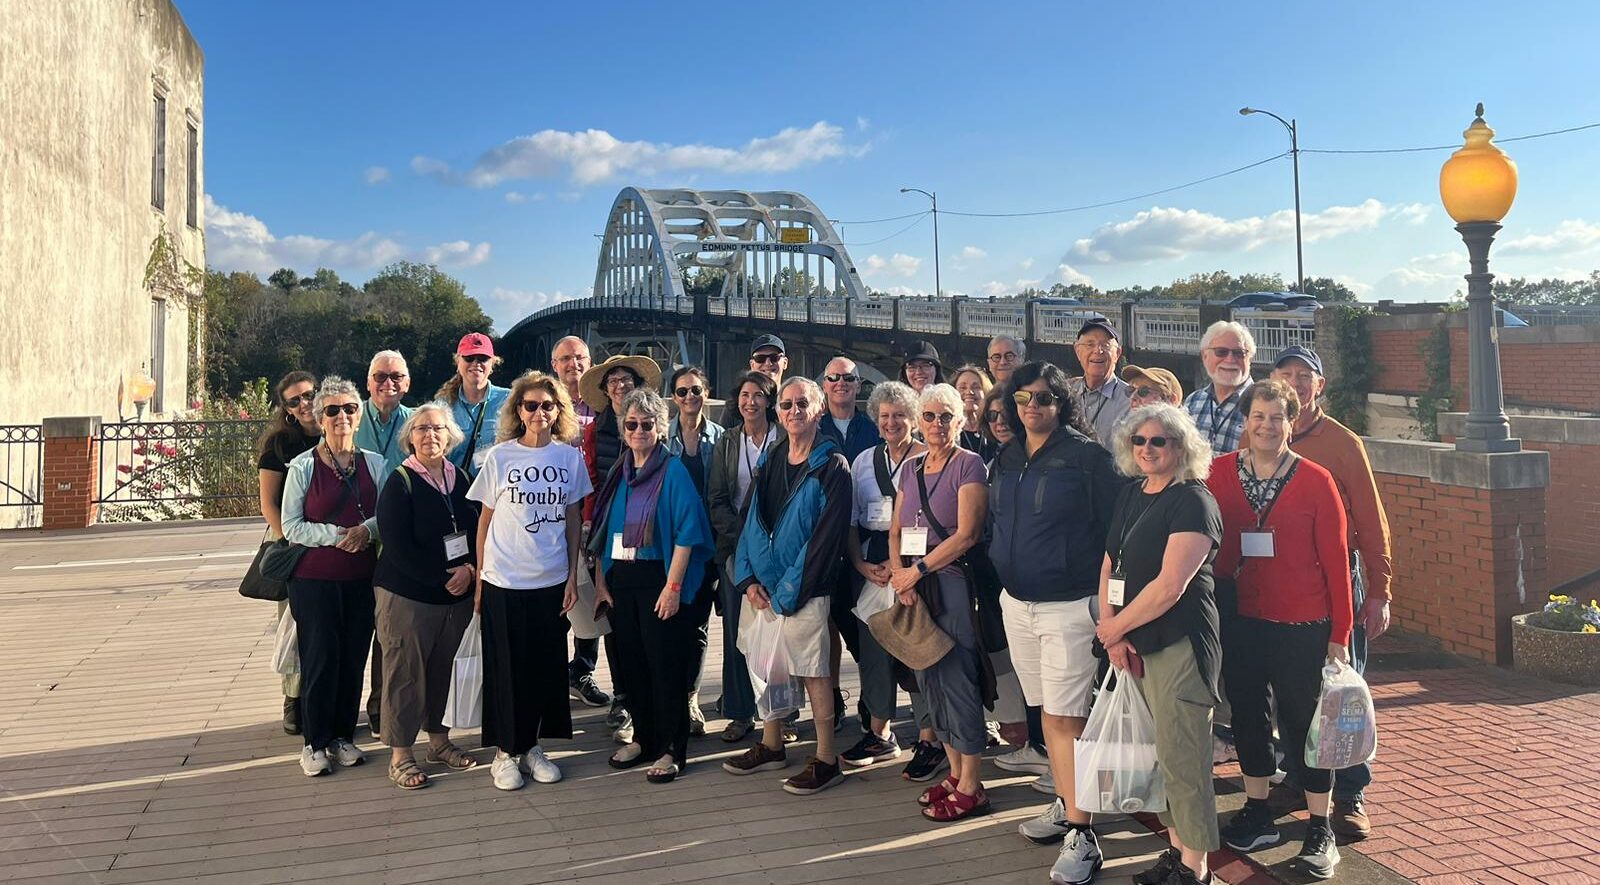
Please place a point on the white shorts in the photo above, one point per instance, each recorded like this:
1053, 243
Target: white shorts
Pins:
805, 636
1052, 647
584, 626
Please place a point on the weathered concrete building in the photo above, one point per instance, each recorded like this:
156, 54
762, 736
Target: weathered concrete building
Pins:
102, 147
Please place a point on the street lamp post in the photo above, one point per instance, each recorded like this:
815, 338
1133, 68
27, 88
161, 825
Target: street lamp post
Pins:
1478, 184
938, 290
1294, 152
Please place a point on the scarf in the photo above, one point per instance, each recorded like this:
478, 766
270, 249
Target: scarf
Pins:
416, 467
644, 487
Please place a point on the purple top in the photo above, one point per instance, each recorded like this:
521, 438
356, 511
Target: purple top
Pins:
964, 467
326, 491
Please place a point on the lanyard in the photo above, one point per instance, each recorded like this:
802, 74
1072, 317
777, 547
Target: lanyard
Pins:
887, 469
383, 448
1261, 515
1104, 398
1219, 417
922, 485
1128, 530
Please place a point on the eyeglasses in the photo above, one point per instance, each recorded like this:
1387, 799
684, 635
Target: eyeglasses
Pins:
836, 377
938, 418
794, 404
304, 399
475, 358
1044, 399
765, 358
682, 392
1094, 346
347, 408
547, 405
994, 415
634, 424
1009, 356
920, 365
429, 428
1223, 353
619, 380
1138, 441
381, 377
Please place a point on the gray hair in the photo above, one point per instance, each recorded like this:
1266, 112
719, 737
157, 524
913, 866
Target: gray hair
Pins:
813, 393
1194, 452
333, 385
894, 393
942, 394
382, 355
452, 431
1246, 340
647, 401
1017, 344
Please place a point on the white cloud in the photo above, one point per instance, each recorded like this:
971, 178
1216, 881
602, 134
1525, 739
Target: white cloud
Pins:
1072, 276
973, 253
1361, 289
376, 175
1026, 264
513, 304
518, 197
595, 155
239, 241
1163, 233
1434, 275
908, 291
899, 264
1570, 236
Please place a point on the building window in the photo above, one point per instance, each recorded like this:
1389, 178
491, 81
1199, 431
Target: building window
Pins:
194, 177
158, 353
158, 157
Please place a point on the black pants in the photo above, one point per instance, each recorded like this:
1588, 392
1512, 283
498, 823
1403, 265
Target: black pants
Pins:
524, 658
846, 590
333, 624
654, 657
375, 693
700, 620
1288, 659
585, 655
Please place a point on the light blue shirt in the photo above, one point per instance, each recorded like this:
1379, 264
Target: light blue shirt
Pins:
383, 439
483, 417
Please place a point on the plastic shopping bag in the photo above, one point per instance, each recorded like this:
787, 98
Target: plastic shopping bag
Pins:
761, 639
1117, 771
874, 598
464, 707
1345, 730
286, 651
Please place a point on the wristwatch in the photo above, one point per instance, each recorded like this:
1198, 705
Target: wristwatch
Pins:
922, 567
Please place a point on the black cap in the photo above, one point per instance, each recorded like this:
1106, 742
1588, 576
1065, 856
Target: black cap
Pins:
1299, 352
1100, 323
922, 350
767, 341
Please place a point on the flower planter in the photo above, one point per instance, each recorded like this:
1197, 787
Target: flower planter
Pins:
1573, 658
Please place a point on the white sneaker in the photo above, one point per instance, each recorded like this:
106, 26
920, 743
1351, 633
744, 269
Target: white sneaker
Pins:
1079, 859
1045, 783
1026, 760
507, 771
314, 762
537, 764
1278, 777
345, 753
1048, 827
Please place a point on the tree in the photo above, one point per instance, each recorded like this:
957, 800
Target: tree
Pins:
1518, 290
1327, 291
284, 278
1221, 286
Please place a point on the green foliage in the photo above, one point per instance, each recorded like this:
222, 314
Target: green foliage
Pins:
1439, 396
1220, 286
1346, 395
1327, 291
1518, 290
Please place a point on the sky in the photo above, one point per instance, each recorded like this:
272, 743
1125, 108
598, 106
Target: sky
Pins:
490, 138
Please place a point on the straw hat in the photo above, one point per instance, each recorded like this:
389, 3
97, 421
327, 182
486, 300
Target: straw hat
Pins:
592, 388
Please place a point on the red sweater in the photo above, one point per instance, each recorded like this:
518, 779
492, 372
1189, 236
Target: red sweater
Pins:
1309, 577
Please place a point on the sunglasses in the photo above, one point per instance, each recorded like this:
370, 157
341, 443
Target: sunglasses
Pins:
633, 424
1225, 352
1138, 441
548, 405
682, 392
792, 404
994, 415
381, 377
766, 358
1044, 399
304, 399
836, 377
475, 358
347, 408
938, 418
1146, 392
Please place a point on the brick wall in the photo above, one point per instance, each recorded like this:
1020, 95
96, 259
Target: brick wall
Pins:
1535, 362
70, 464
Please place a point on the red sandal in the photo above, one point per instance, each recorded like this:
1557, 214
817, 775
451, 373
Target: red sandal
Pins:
937, 793
957, 806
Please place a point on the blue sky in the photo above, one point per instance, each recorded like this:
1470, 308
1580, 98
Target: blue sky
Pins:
491, 137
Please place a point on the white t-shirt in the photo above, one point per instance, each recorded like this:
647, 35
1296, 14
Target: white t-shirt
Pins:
750, 456
529, 490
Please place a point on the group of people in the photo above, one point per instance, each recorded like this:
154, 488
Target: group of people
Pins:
1027, 530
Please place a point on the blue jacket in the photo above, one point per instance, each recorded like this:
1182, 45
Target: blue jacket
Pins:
796, 559
862, 434
680, 522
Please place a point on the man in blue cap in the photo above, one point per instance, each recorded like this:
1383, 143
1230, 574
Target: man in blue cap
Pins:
1106, 398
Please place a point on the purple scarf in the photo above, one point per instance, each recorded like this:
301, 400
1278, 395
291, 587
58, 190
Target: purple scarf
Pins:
644, 487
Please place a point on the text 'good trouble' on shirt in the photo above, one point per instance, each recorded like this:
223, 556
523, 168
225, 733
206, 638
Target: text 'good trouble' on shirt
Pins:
529, 489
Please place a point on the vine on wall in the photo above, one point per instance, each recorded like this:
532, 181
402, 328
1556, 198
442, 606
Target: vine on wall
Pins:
1438, 397
1346, 396
168, 274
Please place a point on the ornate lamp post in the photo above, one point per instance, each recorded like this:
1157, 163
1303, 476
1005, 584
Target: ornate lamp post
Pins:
1478, 184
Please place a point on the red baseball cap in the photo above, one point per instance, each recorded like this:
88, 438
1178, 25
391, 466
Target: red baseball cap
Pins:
475, 343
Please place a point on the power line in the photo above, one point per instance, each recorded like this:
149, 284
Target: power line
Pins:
1143, 196
1449, 147
881, 220
919, 215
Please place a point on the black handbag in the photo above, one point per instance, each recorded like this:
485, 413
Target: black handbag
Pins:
279, 559
258, 586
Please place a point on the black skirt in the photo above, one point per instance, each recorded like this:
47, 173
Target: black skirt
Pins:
524, 667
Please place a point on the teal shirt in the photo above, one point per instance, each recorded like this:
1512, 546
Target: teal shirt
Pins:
681, 521
486, 415
383, 439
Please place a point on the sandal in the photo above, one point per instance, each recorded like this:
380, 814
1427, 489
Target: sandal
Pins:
452, 757
937, 793
408, 775
662, 774
957, 806
622, 762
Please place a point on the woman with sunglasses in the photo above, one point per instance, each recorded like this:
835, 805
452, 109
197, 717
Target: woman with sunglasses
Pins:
973, 385
531, 490
652, 540
692, 438
992, 420
473, 400
1053, 491
1158, 617
330, 502
291, 429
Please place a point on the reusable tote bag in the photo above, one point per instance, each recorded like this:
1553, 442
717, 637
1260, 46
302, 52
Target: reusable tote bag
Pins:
464, 707
1117, 772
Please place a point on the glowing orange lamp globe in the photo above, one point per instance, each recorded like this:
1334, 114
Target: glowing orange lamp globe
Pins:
1478, 182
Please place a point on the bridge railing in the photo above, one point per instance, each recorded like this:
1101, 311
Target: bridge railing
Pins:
1059, 323
873, 313
1556, 315
987, 320
830, 311
1167, 329
793, 310
932, 317
764, 308
1275, 330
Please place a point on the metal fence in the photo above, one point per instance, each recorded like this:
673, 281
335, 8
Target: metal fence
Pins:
1275, 330
1556, 315
1167, 329
21, 475
178, 470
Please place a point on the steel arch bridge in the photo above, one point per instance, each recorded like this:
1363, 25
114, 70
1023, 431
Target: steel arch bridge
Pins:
728, 243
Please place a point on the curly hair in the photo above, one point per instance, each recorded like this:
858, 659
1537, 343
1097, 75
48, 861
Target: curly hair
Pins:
1070, 413
1194, 451
509, 425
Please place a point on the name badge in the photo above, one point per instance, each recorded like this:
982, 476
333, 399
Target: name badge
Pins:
914, 541
1256, 543
1116, 589
456, 546
620, 553
879, 513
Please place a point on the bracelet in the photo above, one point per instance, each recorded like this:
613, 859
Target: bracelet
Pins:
674, 586
922, 567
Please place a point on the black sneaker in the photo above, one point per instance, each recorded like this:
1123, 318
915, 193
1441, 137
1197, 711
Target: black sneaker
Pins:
1252, 828
1169, 861
1318, 854
927, 760
584, 689
871, 749
618, 716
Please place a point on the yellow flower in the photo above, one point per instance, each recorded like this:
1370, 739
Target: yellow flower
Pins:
1589, 628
